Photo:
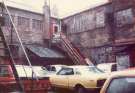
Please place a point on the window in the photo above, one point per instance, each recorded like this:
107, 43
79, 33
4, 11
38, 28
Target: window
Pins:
4, 71
37, 24
55, 29
53, 69
114, 67
100, 19
88, 69
66, 71
22, 21
124, 17
122, 85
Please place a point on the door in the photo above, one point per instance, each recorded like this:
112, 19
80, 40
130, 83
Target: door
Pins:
62, 77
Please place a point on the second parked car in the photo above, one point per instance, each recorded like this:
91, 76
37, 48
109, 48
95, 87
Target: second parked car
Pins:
120, 82
79, 78
107, 67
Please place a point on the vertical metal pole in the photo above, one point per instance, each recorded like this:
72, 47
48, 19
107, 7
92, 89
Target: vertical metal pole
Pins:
11, 35
50, 39
20, 41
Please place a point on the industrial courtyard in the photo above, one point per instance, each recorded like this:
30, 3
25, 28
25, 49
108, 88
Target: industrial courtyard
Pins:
89, 51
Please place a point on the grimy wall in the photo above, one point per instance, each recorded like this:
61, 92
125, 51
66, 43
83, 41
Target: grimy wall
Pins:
90, 31
28, 24
97, 30
124, 20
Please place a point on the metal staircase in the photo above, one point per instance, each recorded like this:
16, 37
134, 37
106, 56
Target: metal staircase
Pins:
72, 51
5, 53
6, 50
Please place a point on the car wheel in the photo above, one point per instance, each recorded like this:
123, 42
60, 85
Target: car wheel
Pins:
80, 89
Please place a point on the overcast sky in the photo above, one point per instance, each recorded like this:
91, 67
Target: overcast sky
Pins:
64, 7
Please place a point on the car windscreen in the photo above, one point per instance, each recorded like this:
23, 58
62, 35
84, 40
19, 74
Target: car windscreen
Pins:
95, 70
26, 71
4, 71
122, 85
88, 69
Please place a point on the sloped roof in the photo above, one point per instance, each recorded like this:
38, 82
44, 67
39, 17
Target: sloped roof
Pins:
44, 52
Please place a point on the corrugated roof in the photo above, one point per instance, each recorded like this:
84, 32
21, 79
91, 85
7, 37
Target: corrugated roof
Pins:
45, 52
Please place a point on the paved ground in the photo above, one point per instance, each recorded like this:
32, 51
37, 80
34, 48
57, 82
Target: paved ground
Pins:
61, 92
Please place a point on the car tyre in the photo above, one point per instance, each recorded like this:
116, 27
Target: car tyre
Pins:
80, 89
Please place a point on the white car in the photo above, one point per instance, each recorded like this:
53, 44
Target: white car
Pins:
26, 71
107, 67
79, 78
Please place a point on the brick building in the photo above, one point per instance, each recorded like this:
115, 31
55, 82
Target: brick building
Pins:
90, 31
124, 31
105, 33
35, 29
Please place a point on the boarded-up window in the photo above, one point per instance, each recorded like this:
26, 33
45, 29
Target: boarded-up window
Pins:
100, 19
124, 17
37, 24
22, 21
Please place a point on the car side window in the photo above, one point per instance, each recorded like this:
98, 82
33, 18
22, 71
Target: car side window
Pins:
114, 67
4, 71
66, 71
122, 85
77, 72
53, 69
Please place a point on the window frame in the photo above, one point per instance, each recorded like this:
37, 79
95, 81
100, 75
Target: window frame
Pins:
122, 11
37, 24
23, 22
65, 69
55, 25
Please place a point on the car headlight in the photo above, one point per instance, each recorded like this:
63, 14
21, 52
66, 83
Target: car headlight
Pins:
100, 83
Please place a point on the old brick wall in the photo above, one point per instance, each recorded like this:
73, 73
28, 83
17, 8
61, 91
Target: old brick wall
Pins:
28, 24
90, 26
90, 31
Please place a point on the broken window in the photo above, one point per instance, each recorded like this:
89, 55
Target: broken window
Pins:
124, 17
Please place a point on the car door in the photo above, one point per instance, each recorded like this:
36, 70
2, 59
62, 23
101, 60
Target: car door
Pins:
74, 78
61, 79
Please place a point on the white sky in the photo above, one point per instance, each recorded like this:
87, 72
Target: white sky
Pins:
64, 7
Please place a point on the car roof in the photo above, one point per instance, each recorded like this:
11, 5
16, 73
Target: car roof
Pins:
127, 73
124, 73
59, 65
79, 66
107, 64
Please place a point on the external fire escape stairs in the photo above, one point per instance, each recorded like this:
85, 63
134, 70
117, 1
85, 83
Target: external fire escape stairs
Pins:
5, 48
6, 54
73, 52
